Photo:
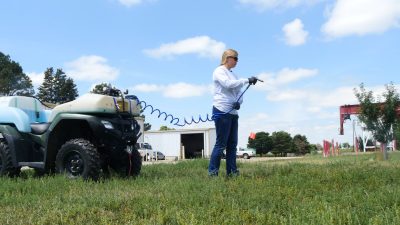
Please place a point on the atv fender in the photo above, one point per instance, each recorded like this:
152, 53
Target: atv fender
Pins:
13, 139
12, 115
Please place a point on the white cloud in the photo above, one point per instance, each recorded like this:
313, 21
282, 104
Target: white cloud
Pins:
333, 98
287, 95
287, 75
182, 90
178, 90
91, 68
284, 76
262, 5
313, 109
130, 3
314, 98
203, 46
360, 17
37, 78
294, 33
147, 88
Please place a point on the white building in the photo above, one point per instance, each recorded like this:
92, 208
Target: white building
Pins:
196, 143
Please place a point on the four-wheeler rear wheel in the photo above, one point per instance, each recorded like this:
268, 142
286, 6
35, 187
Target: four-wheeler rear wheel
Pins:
6, 165
127, 163
79, 158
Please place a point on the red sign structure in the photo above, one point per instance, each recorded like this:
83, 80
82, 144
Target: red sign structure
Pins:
347, 110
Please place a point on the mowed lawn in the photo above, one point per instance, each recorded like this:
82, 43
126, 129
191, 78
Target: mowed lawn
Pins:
313, 190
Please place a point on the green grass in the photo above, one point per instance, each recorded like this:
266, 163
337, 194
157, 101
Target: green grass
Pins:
313, 190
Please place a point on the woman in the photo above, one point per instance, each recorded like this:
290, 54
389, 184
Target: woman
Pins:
227, 89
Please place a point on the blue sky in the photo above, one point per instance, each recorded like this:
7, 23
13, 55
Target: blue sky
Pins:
310, 53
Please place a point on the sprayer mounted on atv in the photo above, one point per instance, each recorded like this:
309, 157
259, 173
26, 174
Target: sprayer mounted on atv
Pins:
81, 138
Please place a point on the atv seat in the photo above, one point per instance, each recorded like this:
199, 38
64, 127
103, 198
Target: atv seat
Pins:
39, 128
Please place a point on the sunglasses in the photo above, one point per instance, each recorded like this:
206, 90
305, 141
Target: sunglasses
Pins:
233, 57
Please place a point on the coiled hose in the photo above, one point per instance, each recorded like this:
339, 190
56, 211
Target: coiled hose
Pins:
176, 121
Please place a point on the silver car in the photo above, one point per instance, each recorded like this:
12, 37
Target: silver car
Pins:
158, 155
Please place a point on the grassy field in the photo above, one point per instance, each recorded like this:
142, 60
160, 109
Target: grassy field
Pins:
312, 190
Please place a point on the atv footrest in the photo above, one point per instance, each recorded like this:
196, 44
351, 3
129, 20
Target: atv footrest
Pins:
39, 128
32, 164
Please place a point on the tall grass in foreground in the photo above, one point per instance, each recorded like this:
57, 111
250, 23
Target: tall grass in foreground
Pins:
341, 190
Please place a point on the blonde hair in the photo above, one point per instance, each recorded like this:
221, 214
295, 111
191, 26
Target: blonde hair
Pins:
228, 53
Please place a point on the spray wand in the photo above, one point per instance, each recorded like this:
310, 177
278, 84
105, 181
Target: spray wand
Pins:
185, 122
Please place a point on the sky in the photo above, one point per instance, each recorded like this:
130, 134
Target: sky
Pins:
311, 54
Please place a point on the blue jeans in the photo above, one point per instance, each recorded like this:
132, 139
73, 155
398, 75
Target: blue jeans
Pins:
226, 126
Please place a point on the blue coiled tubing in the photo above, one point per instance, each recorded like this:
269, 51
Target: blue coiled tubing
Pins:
176, 121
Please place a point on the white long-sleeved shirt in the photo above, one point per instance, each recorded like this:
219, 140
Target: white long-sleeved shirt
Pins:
227, 88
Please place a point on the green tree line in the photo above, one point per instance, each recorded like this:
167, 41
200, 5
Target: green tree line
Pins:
56, 88
280, 143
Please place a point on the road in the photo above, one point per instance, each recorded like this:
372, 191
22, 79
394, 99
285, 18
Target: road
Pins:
251, 160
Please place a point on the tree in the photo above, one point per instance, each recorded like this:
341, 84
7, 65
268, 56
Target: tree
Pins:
262, 143
101, 88
314, 148
379, 118
301, 144
282, 143
165, 128
46, 90
68, 91
57, 88
59, 82
13, 81
396, 130
360, 143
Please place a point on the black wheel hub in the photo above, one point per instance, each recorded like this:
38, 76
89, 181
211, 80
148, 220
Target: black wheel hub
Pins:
74, 164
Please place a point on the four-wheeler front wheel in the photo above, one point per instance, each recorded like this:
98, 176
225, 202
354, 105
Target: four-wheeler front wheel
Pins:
6, 165
78, 158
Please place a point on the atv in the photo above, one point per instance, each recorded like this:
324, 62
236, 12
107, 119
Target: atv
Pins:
82, 138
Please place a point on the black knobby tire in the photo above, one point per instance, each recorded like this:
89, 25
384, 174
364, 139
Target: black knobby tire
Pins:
79, 158
127, 164
6, 165
246, 156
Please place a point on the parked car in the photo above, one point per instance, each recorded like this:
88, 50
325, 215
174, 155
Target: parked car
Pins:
157, 155
246, 153
147, 152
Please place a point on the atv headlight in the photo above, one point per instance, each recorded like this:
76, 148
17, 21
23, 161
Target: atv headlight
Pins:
107, 124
